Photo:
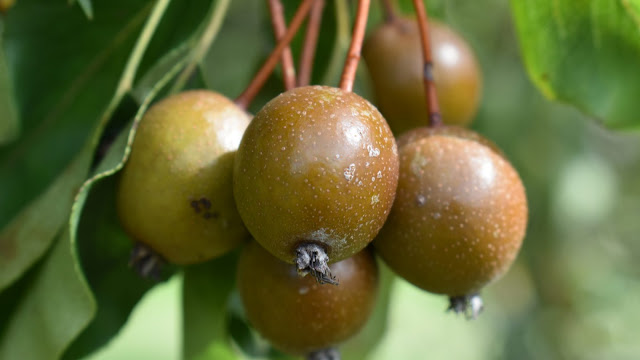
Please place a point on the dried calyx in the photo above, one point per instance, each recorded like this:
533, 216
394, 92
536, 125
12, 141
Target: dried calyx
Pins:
470, 305
146, 262
313, 259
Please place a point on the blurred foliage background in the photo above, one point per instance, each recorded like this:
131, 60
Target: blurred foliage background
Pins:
574, 292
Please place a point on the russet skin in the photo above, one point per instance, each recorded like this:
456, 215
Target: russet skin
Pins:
316, 165
460, 212
297, 314
394, 58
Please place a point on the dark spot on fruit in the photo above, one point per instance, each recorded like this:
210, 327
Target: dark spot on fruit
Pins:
195, 205
206, 203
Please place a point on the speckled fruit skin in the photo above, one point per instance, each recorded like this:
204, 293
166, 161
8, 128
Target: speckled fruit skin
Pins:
394, 58
175, 192
298, 315
316, 164
459, 216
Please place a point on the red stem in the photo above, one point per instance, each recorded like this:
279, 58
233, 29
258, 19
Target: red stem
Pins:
353, 57
435, 119
244, 99
388, 11
310, 42
279, 28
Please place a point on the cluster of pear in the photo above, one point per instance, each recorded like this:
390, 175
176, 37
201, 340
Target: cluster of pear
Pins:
315, 177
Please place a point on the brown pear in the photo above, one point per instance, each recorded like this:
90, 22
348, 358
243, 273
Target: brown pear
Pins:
393, 55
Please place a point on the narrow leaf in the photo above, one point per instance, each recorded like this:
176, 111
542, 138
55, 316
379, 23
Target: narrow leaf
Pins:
26, 238
341, 44
102, 243
30, 234
104, 252
61, 99
227, 67
9, 120
87, 8
148, 81
217, 15
53, 312
206, 293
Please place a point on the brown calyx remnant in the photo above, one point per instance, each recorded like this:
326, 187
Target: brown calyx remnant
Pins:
313, 259
147, 263
470, 305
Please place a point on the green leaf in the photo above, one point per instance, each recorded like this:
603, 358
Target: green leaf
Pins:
633, 7
11, 296
206, 293
335, 61
248, 339
227, 66
103, 245
145, 85
181, 28
26, 238
54, 310
87, 8
201, 46
99, 232
104, 252
95, 228
30, 234
586, 54
9, 120
60, 100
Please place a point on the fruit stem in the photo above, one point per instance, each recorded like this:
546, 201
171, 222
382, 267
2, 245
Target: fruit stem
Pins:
324, 354
312, 259
217, 13
470, 305
286, 58
353, 56
435, 119
388, 11
147, 263
310, 42
244, 99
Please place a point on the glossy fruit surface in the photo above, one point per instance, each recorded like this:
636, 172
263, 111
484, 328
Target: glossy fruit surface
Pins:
316, 165
298, 315
175, 192
394, 57
460, 213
